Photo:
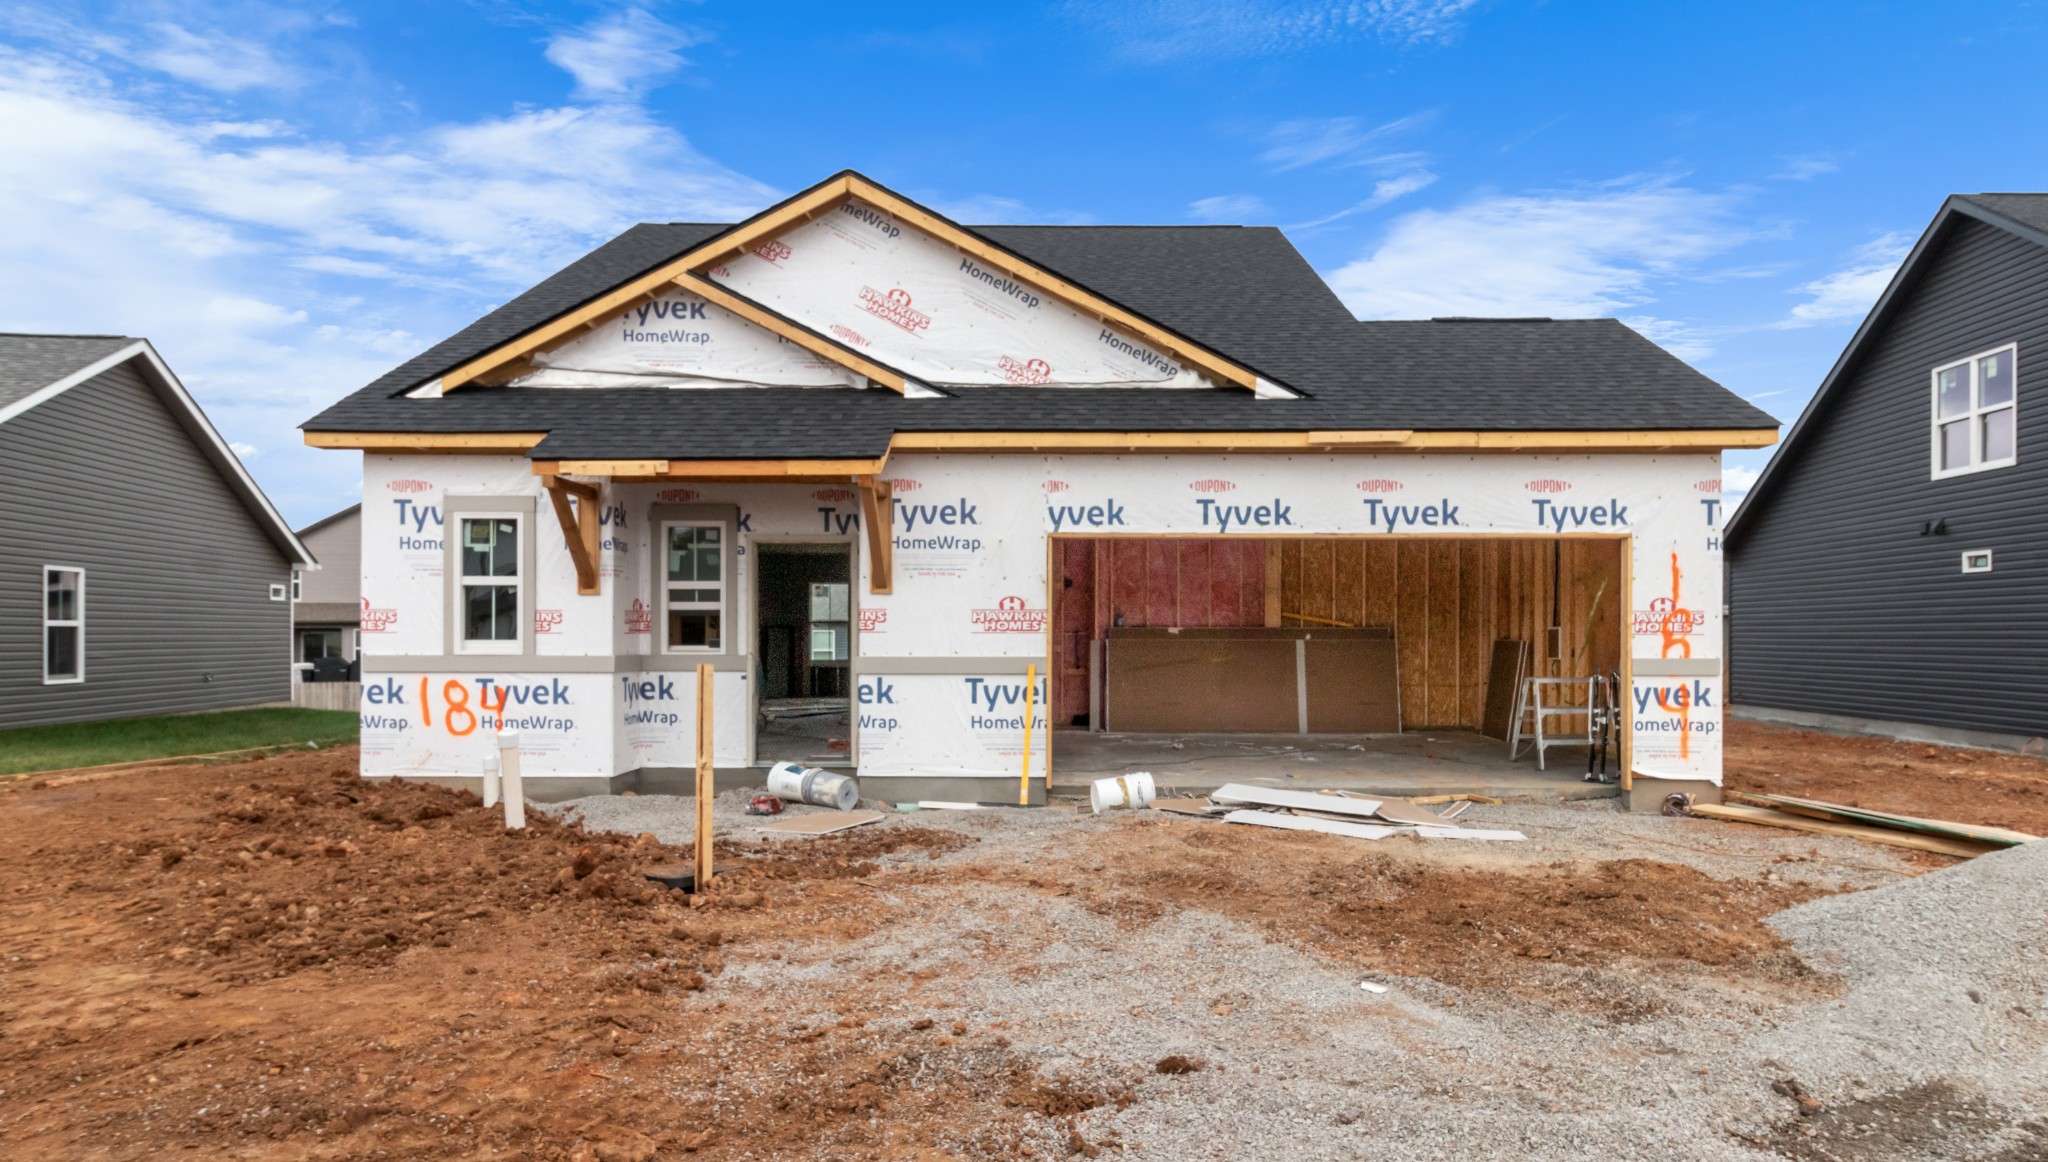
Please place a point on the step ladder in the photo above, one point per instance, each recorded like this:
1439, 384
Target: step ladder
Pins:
1542, 700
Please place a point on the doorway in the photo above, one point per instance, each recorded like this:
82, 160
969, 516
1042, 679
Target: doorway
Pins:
803, 613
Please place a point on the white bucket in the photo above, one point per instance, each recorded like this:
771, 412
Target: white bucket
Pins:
819, 788
1122, 791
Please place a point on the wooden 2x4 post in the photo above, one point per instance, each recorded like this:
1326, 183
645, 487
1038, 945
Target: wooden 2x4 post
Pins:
878, 513
579, 528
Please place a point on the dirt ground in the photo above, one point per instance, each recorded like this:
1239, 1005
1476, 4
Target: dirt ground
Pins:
1988, 788
274, 959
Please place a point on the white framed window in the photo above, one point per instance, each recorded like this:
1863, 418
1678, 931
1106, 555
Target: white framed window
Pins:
487, 592
693, 586
63, 624
1975, 413
356, 643
1977, 561
277, 593
298, 584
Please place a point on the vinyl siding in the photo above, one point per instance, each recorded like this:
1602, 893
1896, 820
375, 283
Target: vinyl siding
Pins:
339, 549
1838, 603
178, 571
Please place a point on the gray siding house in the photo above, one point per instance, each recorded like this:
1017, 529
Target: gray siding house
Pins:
327, 603
141, 569
1889, 571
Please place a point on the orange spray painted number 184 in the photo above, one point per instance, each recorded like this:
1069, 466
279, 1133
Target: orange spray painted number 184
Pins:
455, 706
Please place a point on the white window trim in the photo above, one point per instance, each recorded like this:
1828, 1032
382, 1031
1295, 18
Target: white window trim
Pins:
78, 623
724, 587
1984, 568
1974, 416
298, 585
517, 643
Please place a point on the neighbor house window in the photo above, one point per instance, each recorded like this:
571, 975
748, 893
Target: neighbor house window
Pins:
63, 624
1974, 425
298, 586
320, 643
489, 584
693, 597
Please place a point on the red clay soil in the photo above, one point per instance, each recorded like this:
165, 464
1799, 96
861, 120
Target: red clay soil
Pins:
275, 960
1988, 788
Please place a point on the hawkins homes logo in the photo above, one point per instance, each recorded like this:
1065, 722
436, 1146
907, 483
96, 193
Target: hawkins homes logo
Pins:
1025, 371
893, 307
378, 620
773, 253
639, 618
1666, 616
871, 620
1010, 615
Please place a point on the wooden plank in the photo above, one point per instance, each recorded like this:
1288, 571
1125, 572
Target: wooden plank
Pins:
1318, 593
1764, 816
1380, 583
821, 822
824, 348
1275, 587
1411, 631
1475, 631
582, 553
460, 442
1348, 589
878, 516
1505, 669
1845, 813
1442, 654
706, 787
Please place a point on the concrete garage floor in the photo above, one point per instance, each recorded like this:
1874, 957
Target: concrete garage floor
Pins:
1431, 762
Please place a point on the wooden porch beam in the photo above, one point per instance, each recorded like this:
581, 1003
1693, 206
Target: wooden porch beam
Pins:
476, 443
877, 515
579, 528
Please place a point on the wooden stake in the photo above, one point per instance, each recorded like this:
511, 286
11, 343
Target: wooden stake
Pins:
1024, 780
705, 788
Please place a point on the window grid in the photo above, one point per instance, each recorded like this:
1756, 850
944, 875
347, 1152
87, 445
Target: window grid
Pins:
63, 625
1975, 424
693, 587
488, 589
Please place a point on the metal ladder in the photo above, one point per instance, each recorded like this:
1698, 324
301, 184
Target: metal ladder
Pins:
1532, 710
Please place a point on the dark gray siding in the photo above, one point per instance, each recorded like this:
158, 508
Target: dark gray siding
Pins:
1838, 603
178, 572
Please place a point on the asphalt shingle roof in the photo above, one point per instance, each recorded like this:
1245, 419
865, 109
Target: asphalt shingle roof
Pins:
30, 363
1244, 292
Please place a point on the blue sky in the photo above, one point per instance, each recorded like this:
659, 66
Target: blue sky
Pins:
289, 199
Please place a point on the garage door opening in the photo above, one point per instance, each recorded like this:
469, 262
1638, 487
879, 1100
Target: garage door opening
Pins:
1339, 662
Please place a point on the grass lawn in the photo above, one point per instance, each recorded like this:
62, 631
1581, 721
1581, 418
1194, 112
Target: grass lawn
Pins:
120, 740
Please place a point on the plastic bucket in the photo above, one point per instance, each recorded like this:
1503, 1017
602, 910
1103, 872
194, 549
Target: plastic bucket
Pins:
811, 785
1122, 791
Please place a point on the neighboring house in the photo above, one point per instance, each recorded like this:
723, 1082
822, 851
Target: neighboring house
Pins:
873, 467
1889, 568
327, 601
141, 569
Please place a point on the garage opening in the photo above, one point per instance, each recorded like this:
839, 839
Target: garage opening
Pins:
1376, 663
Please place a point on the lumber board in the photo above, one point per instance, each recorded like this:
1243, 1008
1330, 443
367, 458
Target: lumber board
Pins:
1767, 817
1822, 810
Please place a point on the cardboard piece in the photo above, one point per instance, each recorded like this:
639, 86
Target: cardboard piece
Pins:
1402, 811
1503, 678
1236, 794
1304, 823
820, 822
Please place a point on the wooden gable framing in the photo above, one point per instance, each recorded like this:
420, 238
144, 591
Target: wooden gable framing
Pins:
688, 273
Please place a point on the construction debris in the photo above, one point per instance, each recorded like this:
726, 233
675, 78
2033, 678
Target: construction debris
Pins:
1469, 833
1967, 832
1307, 823
764, 805
1461, 797
1133, 790
1769, 817
821, 823
1186, 806
1238, 794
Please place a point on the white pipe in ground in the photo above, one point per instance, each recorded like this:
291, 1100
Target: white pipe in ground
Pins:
515, 790
490, 788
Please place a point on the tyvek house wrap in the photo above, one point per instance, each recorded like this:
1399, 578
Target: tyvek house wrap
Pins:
934, 312
680, 340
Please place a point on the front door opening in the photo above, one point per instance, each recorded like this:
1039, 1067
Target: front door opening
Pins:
804, 611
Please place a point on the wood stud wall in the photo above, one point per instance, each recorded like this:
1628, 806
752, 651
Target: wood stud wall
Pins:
1447, 599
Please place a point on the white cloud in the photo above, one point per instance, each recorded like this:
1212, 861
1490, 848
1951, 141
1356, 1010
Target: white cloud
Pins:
1736, 480
277, 271
1158, 31
1807, 167
240, 449
214, 60
1569, 254
1228, 208
622, 55
1382, 193
1310, 141
1847, 294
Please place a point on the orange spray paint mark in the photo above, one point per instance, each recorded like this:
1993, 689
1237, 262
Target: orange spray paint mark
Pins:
1677, 620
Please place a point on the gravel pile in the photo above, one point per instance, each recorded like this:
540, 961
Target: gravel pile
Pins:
1944, 972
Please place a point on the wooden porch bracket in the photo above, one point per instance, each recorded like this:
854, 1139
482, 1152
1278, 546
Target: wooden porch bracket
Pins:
579, 528
877, 515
